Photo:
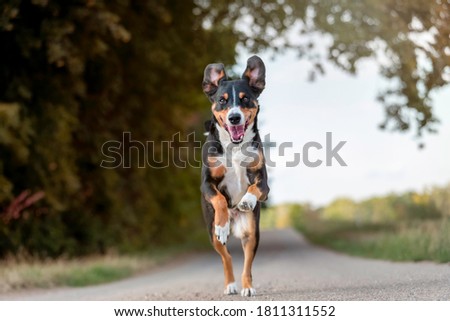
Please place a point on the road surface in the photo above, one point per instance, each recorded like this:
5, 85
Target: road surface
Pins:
286, 267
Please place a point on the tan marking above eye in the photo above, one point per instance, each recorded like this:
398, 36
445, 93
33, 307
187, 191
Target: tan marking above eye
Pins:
241, 95
225, 96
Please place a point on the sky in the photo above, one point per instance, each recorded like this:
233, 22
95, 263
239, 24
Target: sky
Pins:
296, 110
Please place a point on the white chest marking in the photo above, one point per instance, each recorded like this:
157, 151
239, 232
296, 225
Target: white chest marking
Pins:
235, 179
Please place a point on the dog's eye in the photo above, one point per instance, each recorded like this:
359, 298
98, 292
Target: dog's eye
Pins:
245, 100
222, 101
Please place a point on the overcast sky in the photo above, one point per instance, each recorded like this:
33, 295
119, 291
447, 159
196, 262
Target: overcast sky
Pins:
298, 111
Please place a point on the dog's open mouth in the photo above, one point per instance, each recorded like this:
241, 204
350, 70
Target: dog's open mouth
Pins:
237, 132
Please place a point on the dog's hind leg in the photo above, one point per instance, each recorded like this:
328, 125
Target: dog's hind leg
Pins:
230, 284
249, 247
250, 243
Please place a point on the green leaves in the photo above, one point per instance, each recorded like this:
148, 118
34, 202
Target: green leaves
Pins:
75, 74
408, 40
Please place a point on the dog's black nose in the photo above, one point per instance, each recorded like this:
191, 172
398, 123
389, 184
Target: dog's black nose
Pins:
234, 119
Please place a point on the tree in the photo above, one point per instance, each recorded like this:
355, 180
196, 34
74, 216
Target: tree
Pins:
77, 73
409, 39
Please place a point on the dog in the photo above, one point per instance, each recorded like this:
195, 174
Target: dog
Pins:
234, 176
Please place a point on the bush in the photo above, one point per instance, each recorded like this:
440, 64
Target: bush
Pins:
75, 75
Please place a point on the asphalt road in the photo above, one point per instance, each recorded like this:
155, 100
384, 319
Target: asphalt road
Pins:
286, 268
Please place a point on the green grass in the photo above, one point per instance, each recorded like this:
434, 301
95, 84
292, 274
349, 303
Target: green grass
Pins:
412, 226
21, 274
416, 240
25, 273
95, 275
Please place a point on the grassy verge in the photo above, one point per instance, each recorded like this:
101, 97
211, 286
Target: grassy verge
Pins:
31, 273
415, 240
416, 235
20, 274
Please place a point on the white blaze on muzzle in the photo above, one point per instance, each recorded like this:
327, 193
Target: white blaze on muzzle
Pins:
235, 129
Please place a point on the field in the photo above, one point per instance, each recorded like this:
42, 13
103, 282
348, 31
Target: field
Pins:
406, 227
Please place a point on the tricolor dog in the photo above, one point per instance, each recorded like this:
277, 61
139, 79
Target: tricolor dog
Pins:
234, 176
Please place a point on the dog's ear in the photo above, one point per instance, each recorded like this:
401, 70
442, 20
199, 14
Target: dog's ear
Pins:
214, 74
255, 74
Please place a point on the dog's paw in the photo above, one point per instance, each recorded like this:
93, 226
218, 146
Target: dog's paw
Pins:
222, 232
231, 289
248, 292
247, 203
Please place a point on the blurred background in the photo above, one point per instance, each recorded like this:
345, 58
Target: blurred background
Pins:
76, 74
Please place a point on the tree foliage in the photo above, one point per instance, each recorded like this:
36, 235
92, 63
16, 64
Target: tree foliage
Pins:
75, 74
429, 204
408, 39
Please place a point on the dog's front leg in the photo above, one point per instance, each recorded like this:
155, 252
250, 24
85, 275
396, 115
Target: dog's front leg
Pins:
257, 191
220, 232
221, 222
221, 217
230, 284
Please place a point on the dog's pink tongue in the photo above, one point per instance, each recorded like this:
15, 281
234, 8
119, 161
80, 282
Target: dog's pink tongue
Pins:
237, 132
